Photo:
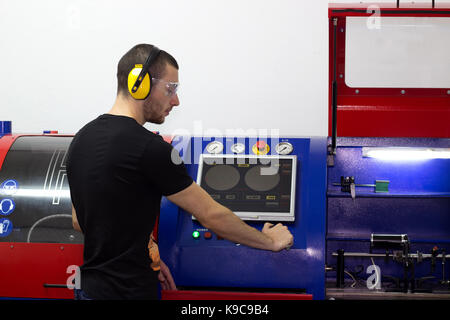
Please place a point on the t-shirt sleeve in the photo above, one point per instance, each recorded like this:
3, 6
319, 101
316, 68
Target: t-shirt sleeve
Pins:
164, 168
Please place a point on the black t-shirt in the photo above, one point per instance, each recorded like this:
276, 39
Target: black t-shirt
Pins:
118, 171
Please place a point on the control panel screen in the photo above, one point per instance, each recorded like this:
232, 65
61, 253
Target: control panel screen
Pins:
253, 187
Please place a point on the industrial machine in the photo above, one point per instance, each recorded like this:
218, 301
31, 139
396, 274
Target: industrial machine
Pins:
38, 245
262, 180
388, 176
403, 228
388, 172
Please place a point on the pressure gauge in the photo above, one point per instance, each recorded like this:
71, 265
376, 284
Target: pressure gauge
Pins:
238, 148
284, 148
214, 147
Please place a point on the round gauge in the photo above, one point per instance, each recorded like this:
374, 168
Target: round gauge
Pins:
284, 148
238, 148
214, 147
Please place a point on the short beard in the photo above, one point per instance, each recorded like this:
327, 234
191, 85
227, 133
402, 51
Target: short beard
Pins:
150, 111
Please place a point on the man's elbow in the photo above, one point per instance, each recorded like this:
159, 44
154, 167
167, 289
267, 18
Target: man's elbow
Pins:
76, 226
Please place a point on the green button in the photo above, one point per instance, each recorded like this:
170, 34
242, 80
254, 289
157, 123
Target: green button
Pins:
195, 234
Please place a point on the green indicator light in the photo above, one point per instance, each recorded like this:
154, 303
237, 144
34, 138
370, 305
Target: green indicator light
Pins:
195, 234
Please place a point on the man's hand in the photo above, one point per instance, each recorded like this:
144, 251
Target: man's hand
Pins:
282, 238
221, 220
165, 277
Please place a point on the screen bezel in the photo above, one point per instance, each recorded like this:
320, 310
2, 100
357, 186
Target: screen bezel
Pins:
258, 216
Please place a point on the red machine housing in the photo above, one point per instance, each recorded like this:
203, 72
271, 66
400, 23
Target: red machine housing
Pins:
35, 270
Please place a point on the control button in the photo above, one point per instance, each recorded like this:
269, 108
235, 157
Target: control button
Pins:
195, 234
261, 145
207, 235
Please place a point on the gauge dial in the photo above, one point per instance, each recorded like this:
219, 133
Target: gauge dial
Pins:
238, 148
284, 148
214, 147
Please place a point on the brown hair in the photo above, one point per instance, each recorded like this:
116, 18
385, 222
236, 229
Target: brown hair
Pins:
138, 55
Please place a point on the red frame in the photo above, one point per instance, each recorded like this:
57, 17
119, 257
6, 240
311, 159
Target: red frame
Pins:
385, 112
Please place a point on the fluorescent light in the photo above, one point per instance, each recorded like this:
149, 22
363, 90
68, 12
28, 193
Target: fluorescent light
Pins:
406, 153
40, 193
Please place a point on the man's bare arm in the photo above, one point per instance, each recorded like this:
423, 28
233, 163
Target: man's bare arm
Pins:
75, 224
225, 223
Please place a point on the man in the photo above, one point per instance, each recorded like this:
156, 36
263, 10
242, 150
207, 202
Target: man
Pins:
118, 171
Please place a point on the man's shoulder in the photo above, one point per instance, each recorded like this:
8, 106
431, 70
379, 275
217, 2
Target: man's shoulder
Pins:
120, 130
115, 125
155, 142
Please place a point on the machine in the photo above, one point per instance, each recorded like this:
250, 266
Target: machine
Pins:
388, 176
387, 171
261, 180
38, 244
403, 229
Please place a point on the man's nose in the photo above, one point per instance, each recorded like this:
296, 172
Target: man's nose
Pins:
175, 101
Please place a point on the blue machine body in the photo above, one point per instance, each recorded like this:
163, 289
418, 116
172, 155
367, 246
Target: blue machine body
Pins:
220, 264
417, 204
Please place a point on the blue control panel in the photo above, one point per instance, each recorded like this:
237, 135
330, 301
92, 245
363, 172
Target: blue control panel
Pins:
261, 180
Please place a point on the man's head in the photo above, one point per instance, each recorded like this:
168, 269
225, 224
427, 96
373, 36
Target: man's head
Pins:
164, 71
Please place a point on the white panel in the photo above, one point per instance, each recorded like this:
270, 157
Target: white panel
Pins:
243, 64
398, 52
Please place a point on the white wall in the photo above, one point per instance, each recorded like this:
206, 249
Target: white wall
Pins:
243, 63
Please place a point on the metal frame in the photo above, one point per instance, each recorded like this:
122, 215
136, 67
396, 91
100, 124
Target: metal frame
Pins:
413, 112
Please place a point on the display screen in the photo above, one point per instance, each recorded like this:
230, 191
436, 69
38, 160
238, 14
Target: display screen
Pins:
254, 188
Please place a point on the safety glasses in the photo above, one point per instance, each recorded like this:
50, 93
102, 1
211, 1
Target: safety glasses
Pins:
171, 87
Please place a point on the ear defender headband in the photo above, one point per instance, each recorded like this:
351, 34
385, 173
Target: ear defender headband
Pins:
139, 78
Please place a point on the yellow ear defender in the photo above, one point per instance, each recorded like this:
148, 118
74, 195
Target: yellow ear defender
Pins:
139, 78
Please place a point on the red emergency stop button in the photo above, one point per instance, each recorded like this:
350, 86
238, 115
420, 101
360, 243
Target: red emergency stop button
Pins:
261, 144
207, 235
260, 147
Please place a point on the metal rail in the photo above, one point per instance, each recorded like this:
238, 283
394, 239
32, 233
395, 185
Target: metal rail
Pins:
383, 255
